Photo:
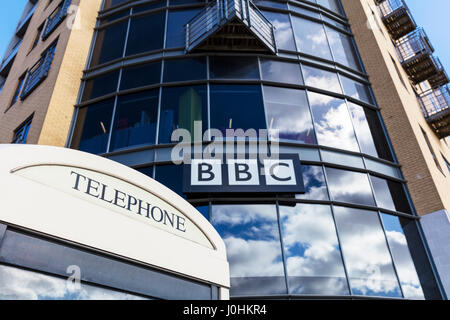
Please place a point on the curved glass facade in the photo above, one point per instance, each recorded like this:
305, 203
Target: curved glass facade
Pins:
349, 233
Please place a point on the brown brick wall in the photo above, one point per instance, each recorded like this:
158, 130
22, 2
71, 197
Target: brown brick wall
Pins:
429, 187
51, 112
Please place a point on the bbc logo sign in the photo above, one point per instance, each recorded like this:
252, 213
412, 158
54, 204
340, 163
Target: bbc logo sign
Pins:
281, 175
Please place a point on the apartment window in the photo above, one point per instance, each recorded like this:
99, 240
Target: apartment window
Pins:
436, 161
39, 71
56, 18
18, 89
2, 84
21, 133
38, 36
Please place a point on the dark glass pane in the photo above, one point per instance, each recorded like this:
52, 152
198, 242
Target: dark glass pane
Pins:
135, 120
343, 50
112, 3
402, 258
141, 75
176, 34
349, 186
313, 256
170, 177
149, 6
390, 195
369, 264
236, 107
321, 79
362, 129
332, 122
288, 114
21, 284
310, 37
180, 2
101, 85
253, 244
109, 43
233, 68
180, 107
281, 71
148, 171
146, 33
356, 89
115, 16
315, 186
92, 127
378, 135
283, 31
185, 69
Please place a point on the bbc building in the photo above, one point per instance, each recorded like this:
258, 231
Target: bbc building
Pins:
338, 90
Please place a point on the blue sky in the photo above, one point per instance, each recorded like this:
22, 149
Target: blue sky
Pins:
433, 15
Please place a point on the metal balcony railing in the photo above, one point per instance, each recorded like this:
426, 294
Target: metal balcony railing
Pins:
397, 18
413, 45
233, 24
56, 18
38, 72
435, 106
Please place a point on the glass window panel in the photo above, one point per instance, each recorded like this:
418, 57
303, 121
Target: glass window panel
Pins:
313, 256
321, 79
332, 122
304, 11
272, 4
310, 38
366, 255
20, 284
383, 168
390, 195
149, 6
92, 128
281, 71
333, 5
101, 85
288, 114
315, 186
251, 235
170, 176
109, 43
381, 143
140, 39
342, 159
135, 120
180, 107
237, 107
176, 34
349, 186
148, 171
185, 69
140, 75
112, 3
180, 2
383, 196
404, 264
362, 129
233, 67
356, 89
343, 49
283, 30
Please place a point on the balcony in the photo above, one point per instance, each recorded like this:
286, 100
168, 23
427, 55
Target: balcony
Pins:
235, 25
38, 72
397, 18
416, 55
435, 105
56, 18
